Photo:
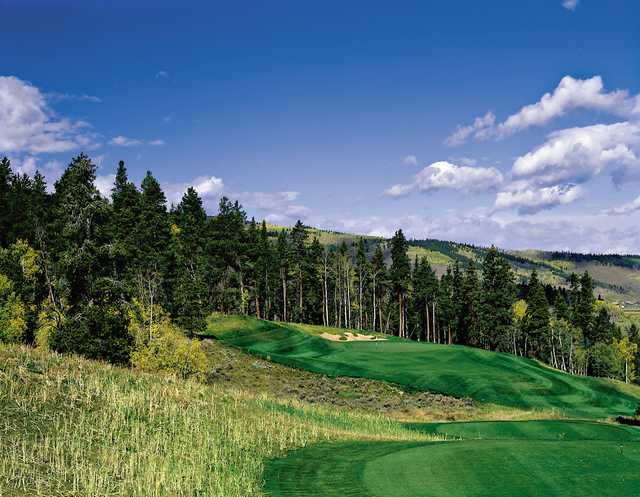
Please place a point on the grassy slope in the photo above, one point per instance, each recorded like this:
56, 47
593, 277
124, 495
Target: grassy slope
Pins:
74, 427
232, 368
71, 427
453, 370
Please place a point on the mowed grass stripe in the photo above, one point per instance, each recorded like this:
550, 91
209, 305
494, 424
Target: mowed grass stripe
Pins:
552, 430
496, 468
459, 371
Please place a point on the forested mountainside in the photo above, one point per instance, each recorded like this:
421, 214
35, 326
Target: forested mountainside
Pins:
616, 276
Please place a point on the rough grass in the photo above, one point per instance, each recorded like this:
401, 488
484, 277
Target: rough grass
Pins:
458, 371
71, 427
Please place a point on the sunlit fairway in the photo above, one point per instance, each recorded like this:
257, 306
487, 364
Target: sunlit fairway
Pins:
467, 468
459, 371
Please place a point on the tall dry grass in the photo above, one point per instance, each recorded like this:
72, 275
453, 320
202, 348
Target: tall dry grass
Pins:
72, 427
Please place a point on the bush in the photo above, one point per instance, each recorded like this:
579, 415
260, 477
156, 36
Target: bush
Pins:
13, 314
171, 351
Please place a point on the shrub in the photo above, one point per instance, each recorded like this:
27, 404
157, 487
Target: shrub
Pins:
13, 319
171, 351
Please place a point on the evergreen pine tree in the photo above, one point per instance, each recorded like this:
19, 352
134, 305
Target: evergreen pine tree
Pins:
190, 299
6, 175
468, 305
496, 300
536, 319
400, 274
378, 282
125, 203
95, 323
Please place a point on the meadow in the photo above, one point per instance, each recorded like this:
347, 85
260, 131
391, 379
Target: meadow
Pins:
73, 427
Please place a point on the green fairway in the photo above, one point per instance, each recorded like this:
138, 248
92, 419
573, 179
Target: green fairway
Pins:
485, 376
593, 460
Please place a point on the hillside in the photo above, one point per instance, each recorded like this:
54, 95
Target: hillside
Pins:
73, 427
76, 427
459, 371
617, 277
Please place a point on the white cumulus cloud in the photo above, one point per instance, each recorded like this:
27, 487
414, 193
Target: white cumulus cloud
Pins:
28, 125
529, 200
570, 94
445, 175
104, 184
577, 154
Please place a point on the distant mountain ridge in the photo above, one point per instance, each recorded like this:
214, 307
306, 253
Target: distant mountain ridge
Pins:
616, 276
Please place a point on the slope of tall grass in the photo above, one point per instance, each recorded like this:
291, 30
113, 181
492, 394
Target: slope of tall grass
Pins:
72, 427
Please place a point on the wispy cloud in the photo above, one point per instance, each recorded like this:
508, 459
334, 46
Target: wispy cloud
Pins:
124, 141
627, 208
162, 75
570, 4
480, 127
59, 97
410, 160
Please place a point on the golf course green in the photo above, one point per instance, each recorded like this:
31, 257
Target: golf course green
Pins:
458, 371
502, 459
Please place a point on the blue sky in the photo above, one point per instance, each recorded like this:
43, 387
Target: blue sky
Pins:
356, 117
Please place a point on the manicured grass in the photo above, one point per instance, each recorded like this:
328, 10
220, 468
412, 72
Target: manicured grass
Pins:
452, 370
527, 459
78, 428
559, 430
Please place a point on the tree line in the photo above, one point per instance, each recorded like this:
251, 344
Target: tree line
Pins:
106, 278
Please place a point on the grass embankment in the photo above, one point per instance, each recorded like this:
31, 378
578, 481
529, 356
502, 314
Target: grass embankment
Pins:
232, 368
73, 427
458, 371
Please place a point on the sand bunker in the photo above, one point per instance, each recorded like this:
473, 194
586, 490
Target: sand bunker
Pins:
349, 337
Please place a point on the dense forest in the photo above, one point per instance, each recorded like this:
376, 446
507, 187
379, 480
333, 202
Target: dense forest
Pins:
127, 279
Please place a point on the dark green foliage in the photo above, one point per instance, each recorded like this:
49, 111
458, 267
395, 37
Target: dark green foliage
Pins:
399, 275
125, 203
98, 260
603, 360
496, 302
190, 263
98, 330
425, 296
582, 304
535, 325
